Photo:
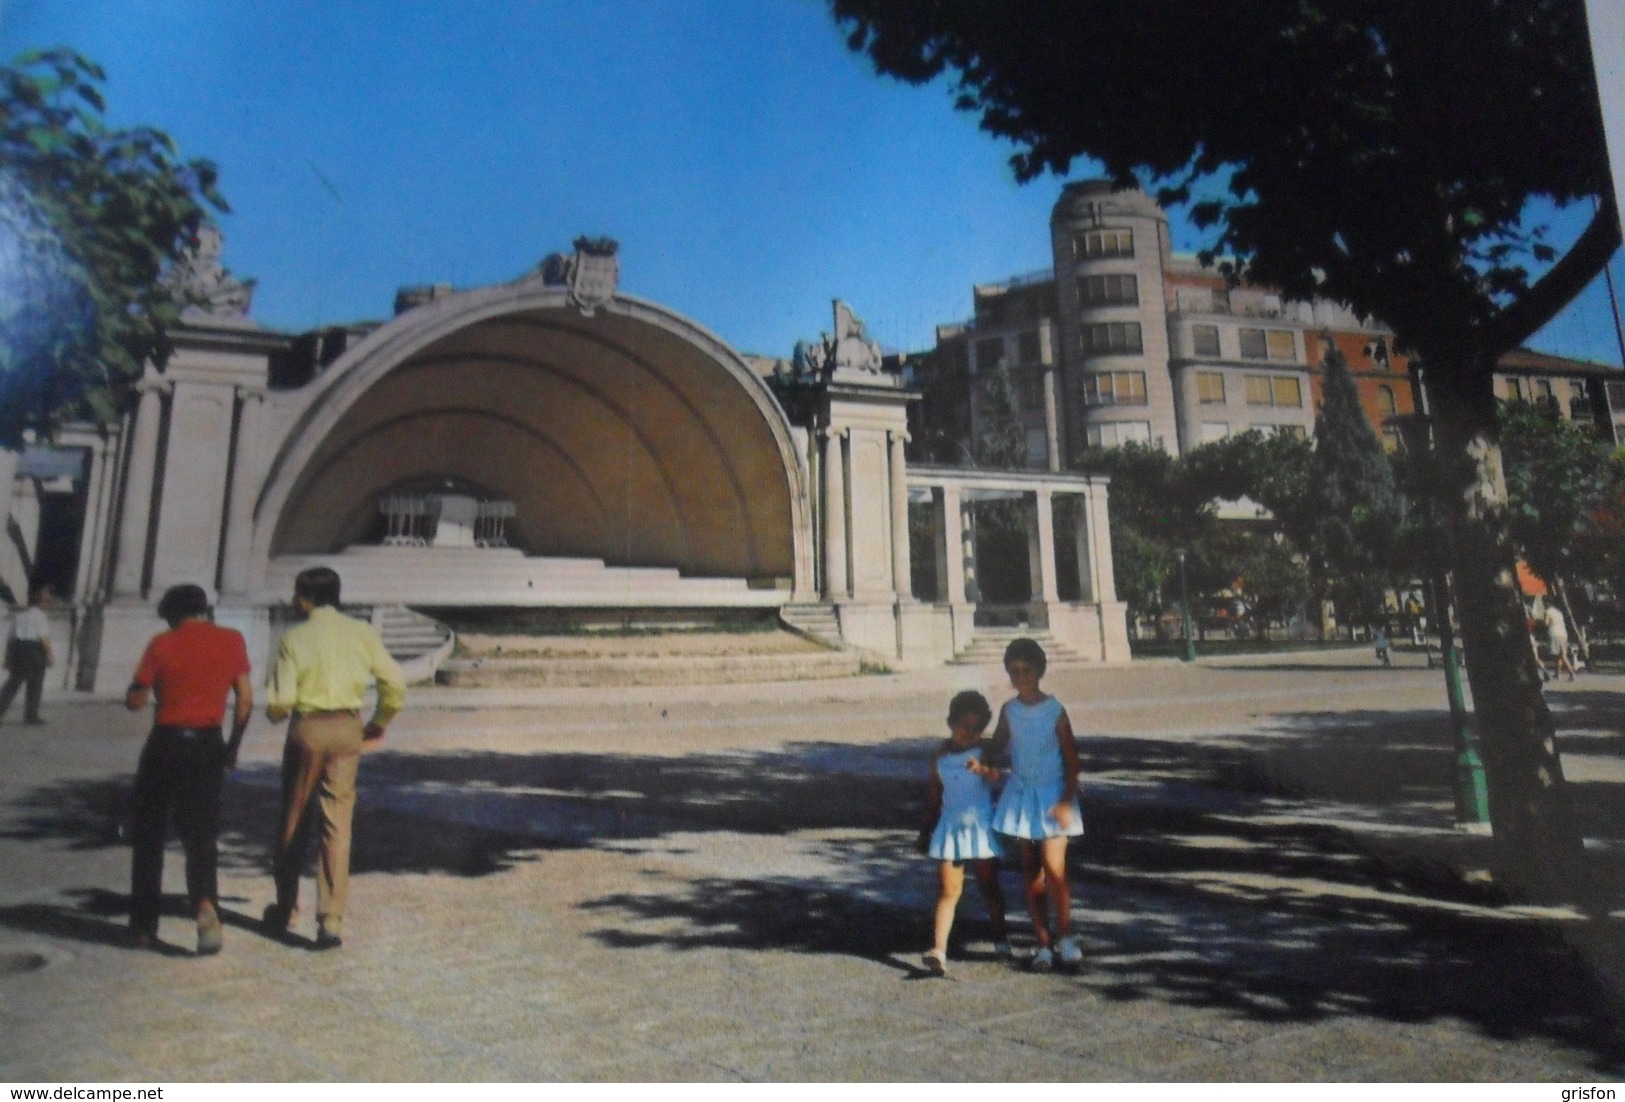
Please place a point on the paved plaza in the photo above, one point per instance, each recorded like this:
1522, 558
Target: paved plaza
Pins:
716, 883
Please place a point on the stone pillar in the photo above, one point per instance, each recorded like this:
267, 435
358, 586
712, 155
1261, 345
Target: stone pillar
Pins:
1113, 613
971, 590
245, 480
902, 577
1041, 558
91, 536
1100, 538
950, 548
835, 577
193, 496
1085, 546
136, 517
1052, 431
951, 584
1041, 547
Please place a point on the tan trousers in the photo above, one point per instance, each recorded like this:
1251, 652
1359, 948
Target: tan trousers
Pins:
320, 758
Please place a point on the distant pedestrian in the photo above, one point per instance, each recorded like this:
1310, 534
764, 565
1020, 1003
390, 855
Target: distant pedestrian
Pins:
190, 668
1380, 641
1039, 805
959, 825
28, 655
323, 668
1557, 640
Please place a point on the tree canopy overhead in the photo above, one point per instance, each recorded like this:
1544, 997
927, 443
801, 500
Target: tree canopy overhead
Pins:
1382, 153
90, 215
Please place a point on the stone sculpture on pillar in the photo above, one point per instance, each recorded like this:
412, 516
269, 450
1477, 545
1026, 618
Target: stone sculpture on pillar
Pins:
201, 285
848, 356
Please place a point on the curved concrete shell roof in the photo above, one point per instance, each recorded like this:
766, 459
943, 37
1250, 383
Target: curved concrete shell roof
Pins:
632, 435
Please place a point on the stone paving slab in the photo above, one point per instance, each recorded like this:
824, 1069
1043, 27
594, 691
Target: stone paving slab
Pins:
712, 886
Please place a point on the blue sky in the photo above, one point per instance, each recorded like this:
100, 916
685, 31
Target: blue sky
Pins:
751, 167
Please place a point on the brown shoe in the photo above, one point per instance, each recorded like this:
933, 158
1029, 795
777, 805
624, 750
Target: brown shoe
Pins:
329, 933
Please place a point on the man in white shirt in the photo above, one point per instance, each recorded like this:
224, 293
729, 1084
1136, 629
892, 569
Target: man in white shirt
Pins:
28, 654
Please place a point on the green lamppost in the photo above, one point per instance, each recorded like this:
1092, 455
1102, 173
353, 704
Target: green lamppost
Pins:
1471, 788
1185, 607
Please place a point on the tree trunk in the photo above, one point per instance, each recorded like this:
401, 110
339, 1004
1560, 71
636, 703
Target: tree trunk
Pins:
1537, 850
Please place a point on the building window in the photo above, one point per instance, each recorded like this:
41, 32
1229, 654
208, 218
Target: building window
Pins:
1106, 337
1099, 243
1028, 349
1385, 401
1031, 389
1205, 340
1543, 394
1274, 390
1113, 433
1114, 388
1616, 397
1037, 446
1109, 290
1297, 431
1210, 388
1579, 403
1268, 344
1512, 389
990, 354
1214, 431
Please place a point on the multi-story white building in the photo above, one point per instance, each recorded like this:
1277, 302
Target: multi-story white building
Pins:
1127, 340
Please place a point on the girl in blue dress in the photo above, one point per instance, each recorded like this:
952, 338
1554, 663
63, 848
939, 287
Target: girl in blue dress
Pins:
1039, 805
958, 826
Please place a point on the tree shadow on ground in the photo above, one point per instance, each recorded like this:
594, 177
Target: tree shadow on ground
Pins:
1260, 873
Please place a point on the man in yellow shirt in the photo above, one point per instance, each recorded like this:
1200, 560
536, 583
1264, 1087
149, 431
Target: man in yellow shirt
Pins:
322, 670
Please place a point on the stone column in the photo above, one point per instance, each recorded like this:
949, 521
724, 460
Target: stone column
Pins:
1100, 542
135, 518
950, 548
902, 577
192, 498
1041, 547
245, 478
952, 587
835, 576
91, 535
1052, 431
971, 589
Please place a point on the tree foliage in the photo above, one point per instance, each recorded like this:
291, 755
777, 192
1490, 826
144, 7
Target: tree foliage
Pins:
1160, 504
1383, 153
1359, 513
1000, 440
89, 216
1561, 481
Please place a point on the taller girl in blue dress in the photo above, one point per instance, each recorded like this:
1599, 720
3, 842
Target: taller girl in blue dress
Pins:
1039, 806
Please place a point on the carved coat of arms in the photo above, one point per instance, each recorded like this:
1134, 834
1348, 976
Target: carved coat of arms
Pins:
591, 275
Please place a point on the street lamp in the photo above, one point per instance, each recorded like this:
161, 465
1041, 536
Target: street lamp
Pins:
1185, 607
1471, 788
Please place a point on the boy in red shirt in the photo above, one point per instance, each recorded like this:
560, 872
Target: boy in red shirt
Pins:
190, 667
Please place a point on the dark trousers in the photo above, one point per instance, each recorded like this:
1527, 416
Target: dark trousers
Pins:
27, 666
181, 771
